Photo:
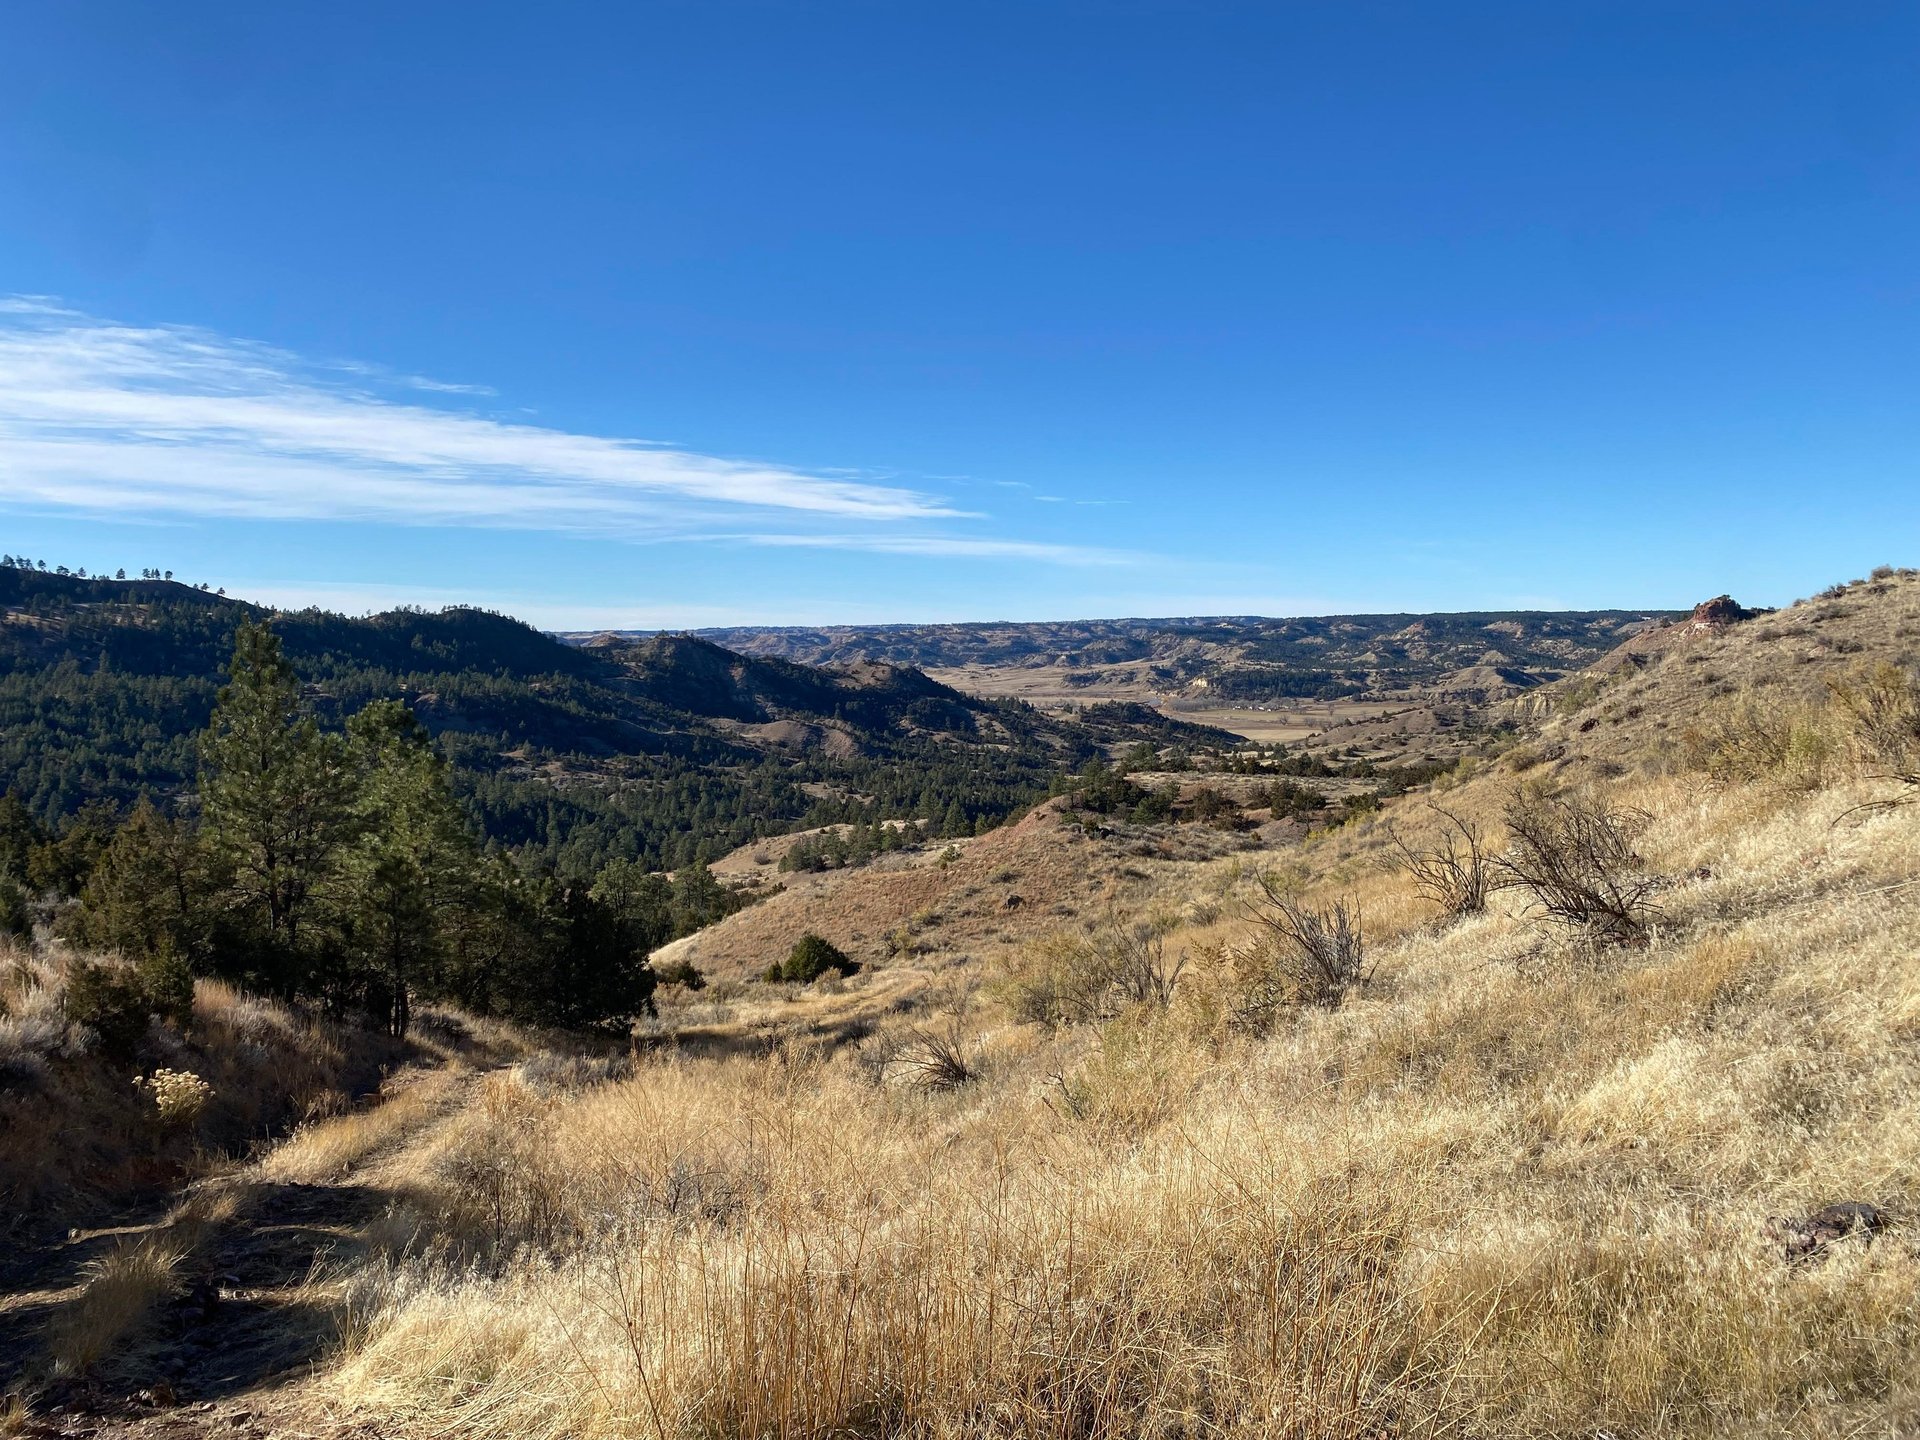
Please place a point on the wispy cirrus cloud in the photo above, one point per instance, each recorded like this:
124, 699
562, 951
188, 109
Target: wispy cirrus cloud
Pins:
957, 545
165, 420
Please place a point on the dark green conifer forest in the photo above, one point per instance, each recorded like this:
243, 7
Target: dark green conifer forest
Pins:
363, 812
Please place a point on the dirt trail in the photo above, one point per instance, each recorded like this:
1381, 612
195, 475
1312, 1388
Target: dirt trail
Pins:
239, 1322
223, 1350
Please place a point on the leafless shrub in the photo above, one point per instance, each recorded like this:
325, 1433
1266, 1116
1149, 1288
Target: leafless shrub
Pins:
935, 1058
1309, 955
1082, 979
1142, 971
1576, 858
1456, 874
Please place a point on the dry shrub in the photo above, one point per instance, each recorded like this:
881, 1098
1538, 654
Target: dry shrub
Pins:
1310, 955
1455, 873
178, 1097
1082, 979
33, 1023
1141, 1074
1575, 856
1883, 711
548, 1071
502, 1185
1869, 726
1791, 744
934, 1057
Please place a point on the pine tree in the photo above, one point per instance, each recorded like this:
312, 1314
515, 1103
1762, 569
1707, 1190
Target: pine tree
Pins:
698, 899
148, 896
277, 796
410, 864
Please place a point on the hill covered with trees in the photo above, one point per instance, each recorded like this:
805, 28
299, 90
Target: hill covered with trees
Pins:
661, 752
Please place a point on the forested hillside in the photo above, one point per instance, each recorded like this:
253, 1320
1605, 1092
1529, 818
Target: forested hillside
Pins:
660, 752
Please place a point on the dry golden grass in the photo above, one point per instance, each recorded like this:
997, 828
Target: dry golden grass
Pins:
1513, 1188
326, 1150
121, 1290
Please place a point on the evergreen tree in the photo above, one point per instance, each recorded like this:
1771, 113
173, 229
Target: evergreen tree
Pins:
410, 865
20, 835
644, 900
698, 899
277, 796
149, 895
62, 865
596, 965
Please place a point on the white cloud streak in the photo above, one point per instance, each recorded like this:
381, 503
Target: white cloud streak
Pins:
171, 421
953, 545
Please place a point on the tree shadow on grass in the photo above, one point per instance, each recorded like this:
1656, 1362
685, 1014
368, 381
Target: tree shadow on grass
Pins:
236, 1312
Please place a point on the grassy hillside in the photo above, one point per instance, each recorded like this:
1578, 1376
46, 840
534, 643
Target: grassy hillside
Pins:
1273, 1143
81, 1139
1516, 1184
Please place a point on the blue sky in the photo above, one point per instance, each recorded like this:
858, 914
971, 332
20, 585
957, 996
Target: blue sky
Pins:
714, 312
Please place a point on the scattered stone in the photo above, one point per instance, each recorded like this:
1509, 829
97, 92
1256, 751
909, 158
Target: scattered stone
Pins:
1804, 1239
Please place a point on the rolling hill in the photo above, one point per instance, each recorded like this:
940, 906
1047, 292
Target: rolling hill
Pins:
663, 749
1085, 1135
1229, 658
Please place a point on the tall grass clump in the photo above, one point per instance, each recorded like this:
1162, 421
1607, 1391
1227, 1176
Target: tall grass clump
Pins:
120, 1292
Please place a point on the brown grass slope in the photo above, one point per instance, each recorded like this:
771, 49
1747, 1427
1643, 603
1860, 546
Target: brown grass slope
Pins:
141, 1241
1516, 1183
78, 1138
954, 900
